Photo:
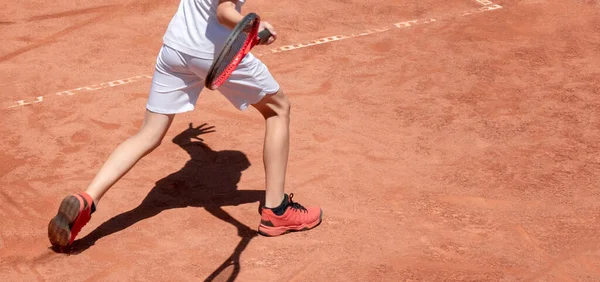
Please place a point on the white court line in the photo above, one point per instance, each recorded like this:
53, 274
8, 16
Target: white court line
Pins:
342, 37
484, 2
488, 6
77, 90
378, 30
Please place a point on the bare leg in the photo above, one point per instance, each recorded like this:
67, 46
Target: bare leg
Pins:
128, 153
276, 111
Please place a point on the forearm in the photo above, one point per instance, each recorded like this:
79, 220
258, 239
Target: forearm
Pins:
227, 14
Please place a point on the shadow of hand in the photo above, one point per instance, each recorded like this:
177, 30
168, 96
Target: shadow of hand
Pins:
192, 132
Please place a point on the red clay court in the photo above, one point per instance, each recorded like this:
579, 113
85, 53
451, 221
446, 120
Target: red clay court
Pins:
445, 141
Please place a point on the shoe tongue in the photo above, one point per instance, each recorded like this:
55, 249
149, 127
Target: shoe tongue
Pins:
286, 200
280, 210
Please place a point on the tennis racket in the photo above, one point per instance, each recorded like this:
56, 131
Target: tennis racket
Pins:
239, 43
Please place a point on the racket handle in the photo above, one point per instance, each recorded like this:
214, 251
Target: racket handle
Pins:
264, 35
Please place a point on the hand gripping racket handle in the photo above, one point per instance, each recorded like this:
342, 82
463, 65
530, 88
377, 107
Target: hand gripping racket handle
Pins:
263, 36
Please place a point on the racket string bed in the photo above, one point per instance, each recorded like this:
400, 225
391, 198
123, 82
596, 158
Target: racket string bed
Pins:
237, 45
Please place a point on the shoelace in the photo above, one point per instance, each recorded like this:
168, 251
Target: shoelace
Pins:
296, 205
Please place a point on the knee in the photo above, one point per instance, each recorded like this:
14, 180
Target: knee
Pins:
274, 105
155, 143
280, 104
148, 142
285, 104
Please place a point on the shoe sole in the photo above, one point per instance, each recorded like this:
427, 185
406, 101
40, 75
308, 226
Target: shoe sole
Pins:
59, 228
278, 231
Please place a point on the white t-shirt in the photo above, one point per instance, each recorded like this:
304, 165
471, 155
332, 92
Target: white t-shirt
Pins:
195, 29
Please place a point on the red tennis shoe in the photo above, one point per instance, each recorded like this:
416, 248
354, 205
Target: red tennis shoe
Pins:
74, 212
295, 218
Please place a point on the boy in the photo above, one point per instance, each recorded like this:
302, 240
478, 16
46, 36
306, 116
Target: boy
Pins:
196, 32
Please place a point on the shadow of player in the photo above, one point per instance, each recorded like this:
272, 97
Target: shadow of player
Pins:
208, 180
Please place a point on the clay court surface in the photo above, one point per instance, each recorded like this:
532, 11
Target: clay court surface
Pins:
460, 147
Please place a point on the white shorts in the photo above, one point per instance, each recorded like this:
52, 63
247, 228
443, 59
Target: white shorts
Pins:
179, 78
